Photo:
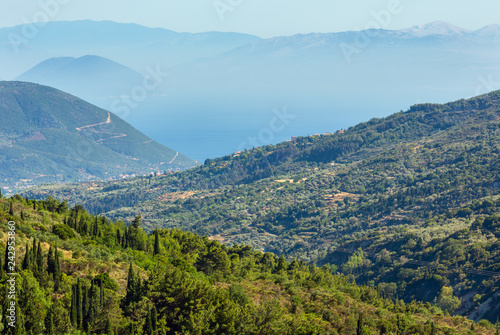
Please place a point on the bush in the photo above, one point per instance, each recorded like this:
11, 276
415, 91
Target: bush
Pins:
64, 232
238, 295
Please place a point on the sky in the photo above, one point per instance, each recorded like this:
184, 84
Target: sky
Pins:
265, 18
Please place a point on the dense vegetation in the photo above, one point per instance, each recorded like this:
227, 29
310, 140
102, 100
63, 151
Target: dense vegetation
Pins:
50, 136
398, 203
84, 274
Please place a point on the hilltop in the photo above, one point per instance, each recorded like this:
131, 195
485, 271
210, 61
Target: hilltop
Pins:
47, 135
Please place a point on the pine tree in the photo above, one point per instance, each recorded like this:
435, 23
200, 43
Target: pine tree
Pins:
157, 243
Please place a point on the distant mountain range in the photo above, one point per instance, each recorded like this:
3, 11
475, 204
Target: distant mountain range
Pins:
222, 89
49, 136
130, 44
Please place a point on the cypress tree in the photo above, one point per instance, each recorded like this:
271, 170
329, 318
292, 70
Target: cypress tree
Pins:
26, 260
39, 259
359, 330
101, 293
85, 308
125, 239
49, 323
133, 286
92, 305
73, 306
11, 209
157, 243
154, 320
433, 329
57, 265
148, 325
50, 261
118, 237
1, 268
107, 328
23, 216
95, 231
79, 309
57, 270
6, 260
33, 255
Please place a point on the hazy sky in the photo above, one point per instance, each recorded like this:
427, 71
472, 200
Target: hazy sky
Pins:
260, 17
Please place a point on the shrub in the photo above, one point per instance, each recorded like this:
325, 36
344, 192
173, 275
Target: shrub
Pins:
64, 232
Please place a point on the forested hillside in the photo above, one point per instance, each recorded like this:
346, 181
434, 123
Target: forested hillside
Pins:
83, 274
48, 136
407, 204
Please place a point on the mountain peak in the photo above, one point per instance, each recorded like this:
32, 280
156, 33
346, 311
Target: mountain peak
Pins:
435, 28
489, 31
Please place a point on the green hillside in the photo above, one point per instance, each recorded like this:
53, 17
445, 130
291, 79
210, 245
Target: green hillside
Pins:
84, 274
394, 202
49, 136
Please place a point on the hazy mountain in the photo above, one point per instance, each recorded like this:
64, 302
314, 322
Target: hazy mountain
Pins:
320, 79
132, 45
50, 136
223, 90
435, 28
492, 30
88, 77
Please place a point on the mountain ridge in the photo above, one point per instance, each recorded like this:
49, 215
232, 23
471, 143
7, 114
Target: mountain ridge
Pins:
50, 136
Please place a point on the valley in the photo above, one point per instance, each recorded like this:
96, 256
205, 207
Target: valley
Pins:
396, 203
